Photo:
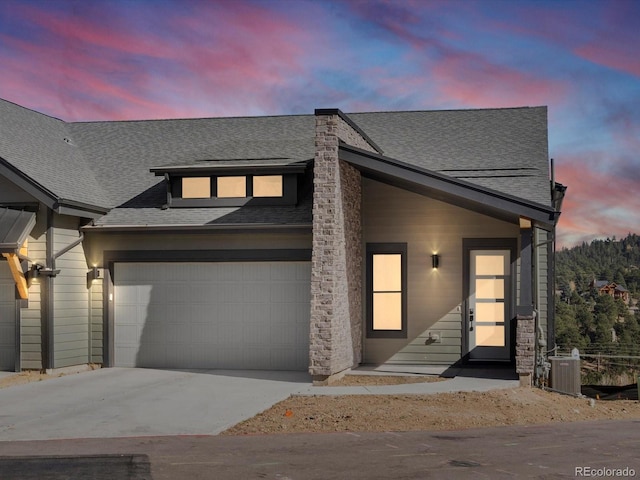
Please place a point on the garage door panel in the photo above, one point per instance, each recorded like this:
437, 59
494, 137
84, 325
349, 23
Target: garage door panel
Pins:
282, 334
249, 315
259, 272
205, 330
204, 355
127, 334
254, 292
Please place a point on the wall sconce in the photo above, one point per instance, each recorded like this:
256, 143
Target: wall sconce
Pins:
435, 260
37, 271
32, 274
92, 275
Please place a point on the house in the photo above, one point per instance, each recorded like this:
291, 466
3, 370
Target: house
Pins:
604, 287
302, 242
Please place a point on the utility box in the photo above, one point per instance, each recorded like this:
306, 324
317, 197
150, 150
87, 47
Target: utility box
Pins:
565, 374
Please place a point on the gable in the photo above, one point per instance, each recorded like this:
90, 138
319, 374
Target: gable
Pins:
448, 189
38, 154
503, 149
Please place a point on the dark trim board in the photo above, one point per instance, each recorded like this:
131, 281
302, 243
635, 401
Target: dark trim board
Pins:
108, 323
469, 244
249, 255
551, 295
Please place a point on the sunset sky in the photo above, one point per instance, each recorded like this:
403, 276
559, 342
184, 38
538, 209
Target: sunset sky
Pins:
142, 59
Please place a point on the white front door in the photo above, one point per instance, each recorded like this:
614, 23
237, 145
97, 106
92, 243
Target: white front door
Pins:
489, 305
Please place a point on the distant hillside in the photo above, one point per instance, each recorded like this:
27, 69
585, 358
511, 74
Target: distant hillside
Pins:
613, 260
605, 329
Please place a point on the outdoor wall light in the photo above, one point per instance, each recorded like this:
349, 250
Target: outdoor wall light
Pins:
32, 274
36, 271
92, 275
435, 260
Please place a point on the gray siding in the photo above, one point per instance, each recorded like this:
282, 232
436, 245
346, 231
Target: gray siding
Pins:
434, 296
31, 317
7, 318
71, 297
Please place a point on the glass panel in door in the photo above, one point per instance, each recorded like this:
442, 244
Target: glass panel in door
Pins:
489, 305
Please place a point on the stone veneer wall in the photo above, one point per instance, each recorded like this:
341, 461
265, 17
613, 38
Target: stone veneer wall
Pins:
336, 275
525, 348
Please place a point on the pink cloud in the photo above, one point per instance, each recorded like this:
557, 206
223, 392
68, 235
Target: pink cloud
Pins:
237, 55
612, 55
474, 81
614, 42
598, 204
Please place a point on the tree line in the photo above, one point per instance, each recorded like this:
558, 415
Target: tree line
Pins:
599, 325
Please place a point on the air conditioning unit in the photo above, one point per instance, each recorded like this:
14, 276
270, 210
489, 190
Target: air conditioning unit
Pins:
565, 374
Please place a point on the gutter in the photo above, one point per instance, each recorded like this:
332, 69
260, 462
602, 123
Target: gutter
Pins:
238, 228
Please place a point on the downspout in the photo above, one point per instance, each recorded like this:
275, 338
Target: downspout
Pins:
67, 248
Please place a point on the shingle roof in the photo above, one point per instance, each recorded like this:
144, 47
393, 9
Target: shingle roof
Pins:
108, 163
42, 148
122, 153
504, 149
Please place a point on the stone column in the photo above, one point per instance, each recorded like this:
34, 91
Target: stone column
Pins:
525, 348
336, 275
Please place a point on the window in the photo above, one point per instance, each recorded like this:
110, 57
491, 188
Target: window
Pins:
232, 187
386, 290
196, 187
267, 185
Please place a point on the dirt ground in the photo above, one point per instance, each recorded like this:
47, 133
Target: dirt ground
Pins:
444, 411
25, 377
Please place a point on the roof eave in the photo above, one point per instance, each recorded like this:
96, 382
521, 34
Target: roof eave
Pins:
448, 189
229, 169
228, 228
46, 196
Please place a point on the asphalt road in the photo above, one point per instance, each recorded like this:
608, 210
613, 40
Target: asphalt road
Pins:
544, 452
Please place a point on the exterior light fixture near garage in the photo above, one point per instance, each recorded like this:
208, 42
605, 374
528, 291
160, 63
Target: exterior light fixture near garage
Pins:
93, 274
435, 261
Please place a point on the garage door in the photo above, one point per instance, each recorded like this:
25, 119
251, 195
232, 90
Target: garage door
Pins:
7, 318
228, 315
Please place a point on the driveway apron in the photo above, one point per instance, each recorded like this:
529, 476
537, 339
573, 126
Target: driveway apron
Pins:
121, 402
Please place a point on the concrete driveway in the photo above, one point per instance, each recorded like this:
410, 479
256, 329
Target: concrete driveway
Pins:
127, 402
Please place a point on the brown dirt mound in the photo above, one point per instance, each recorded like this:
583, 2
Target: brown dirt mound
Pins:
445, 411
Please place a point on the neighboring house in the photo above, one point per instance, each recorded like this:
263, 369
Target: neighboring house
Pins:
304, 242
604, 287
